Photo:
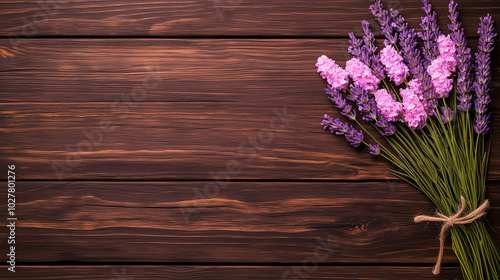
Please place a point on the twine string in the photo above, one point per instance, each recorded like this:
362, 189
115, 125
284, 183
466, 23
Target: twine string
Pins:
450, 221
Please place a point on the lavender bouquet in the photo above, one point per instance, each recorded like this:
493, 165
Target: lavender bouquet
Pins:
430, 104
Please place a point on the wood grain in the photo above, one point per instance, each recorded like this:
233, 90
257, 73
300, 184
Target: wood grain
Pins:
245, 222
191, 272
181, 141
213, 88
214, 18
150, 198
246, 71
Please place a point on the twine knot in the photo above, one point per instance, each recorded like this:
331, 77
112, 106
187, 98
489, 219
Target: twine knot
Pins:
450, 221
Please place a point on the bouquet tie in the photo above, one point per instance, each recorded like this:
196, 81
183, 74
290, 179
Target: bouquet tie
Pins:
450, 221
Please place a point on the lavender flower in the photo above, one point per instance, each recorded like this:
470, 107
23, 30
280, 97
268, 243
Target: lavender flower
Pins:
365, 50
355, 93
464, 100
393, 62
349, 112
481, 126
334, 74
355, 46
361, 74
481, 85
447, 115
420, 78
378, 67
430, 34
388, 107
336, 97
430, 95
365, 102
353, 136
443, 66
409, 43
385, 21
368, 39
387, 128
463, 58
335, 126
413, 110
375, 149
370, 49
410, 52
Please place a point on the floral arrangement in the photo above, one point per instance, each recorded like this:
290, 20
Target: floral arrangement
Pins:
430, 105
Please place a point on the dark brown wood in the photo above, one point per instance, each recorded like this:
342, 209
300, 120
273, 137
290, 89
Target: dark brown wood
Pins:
177, 141
172, 272
210, 70
183, 141
214, 88
153, 190
246, 222
214, 17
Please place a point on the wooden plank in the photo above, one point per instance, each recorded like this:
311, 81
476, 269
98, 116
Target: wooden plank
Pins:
243, 222
179, 141
236, 70
213, 18
135, 272
190, 70
176, 141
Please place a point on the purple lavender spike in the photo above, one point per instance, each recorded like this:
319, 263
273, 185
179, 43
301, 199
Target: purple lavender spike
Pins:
447, 115
336, 97
385, 21
375, 149
368, 38
365, 103
482, 124
409, 43
353, 136
349, 112
464, 65
354, 46
372, 58
335, 126
386, 128
430, 34
377, 67
483, 74
389, 130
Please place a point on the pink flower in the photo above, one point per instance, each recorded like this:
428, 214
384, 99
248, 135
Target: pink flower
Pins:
439, 72
441, 68
447, 50
361, 74
334, 74
388, 107
413, 110
394, 66
414, 85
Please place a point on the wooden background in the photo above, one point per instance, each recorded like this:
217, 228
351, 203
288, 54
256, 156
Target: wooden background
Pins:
176, 96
